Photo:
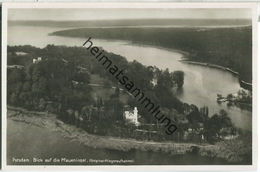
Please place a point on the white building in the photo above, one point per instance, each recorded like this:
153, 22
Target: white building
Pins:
15, 67
20, 53
36, 60
154, 81
132, 116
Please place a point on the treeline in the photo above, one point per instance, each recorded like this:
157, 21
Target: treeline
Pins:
132, 22
59, 83
62, 65
228, 47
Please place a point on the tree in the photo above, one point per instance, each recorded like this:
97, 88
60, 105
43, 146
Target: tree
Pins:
178, 78
195, 117
216, 123
27, 86
165, 80
15, 75
224, 119
82, 77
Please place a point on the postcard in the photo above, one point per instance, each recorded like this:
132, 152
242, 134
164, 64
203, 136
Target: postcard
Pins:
160, 86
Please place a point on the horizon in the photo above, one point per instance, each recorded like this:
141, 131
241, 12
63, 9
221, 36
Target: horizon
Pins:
248, 19
135, 22
127, 13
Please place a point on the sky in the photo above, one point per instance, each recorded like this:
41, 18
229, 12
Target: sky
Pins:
110, 14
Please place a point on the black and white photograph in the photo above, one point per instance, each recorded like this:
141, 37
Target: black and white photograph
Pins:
120, 85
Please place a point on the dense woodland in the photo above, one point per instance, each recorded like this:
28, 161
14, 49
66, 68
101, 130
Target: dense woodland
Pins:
62, 83
228, 47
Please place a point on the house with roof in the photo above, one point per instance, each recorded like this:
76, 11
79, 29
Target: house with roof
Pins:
37, 60
131, 116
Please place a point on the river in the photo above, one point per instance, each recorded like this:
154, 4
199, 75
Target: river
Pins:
201, 84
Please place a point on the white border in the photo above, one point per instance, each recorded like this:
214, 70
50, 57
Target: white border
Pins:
65, 5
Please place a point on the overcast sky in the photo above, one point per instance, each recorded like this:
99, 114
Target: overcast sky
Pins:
100, 14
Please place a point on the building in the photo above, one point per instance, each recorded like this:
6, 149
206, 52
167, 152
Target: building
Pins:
37, 60
154, 82
228, 133
131, 116
20, 53
15, 67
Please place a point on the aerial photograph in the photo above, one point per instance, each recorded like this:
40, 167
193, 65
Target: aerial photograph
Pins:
129, 86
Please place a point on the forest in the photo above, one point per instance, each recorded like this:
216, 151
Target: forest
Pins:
229, 47
62, 82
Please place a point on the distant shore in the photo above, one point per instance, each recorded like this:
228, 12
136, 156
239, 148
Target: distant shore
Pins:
242, 83
48, 120
185, 58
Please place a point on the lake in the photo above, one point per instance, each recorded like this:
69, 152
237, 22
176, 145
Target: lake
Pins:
201, 86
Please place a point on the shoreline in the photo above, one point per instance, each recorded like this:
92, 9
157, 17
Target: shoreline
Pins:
69, 131
210, 65
184, 58
243, 84
48, 120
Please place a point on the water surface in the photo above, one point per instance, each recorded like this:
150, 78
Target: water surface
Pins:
26, 141
201, 84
